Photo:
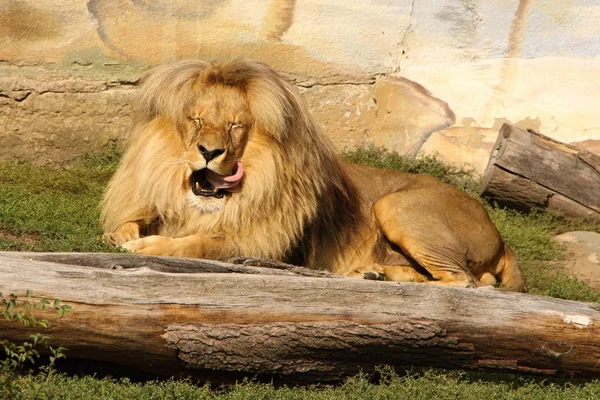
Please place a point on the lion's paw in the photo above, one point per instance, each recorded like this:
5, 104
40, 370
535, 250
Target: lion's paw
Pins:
117, 239
372, 272
125, 233
374, 276
151, 245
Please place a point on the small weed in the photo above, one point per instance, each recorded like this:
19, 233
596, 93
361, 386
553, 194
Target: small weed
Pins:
18, 355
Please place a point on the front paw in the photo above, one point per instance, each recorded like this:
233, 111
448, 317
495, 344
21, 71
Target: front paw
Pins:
124, 233
152, 246
373, 272
117, 238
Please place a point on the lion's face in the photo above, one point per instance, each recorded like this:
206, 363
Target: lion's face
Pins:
216, 131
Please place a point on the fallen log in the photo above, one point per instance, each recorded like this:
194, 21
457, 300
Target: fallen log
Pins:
528, 170
226, 321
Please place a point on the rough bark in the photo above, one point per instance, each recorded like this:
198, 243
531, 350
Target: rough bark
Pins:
529, 170
227, 321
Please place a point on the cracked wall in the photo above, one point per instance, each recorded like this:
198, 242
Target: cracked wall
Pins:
435, 75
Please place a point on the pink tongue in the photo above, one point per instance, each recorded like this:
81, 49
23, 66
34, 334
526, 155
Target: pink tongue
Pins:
230, 183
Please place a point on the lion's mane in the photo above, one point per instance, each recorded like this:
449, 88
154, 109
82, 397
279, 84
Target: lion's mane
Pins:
296, 200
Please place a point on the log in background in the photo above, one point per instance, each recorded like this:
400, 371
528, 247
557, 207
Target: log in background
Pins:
226, 321
529, 170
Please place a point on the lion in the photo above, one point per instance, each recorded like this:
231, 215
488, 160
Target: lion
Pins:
225, 160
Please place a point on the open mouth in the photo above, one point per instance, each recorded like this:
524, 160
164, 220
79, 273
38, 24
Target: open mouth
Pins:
208, 183
202, 187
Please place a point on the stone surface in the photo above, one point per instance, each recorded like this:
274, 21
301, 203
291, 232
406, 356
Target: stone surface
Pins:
55, 121
593, 146
346, 112
407, 115
482, 62
466, 145
584, 255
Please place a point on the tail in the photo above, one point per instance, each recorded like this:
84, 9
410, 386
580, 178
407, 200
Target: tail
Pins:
512, 276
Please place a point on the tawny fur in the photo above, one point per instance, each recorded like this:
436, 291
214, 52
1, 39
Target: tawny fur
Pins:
297, 203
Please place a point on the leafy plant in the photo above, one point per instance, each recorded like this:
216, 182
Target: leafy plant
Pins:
18, 355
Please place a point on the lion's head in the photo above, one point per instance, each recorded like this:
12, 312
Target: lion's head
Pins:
214, 110
215, 131
226, 149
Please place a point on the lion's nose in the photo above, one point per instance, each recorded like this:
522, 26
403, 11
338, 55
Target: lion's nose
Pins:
210, 154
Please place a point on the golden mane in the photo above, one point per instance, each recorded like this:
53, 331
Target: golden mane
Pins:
294, 184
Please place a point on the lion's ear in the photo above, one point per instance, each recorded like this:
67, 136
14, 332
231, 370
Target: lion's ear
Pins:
274, 103
269, 107
168, 91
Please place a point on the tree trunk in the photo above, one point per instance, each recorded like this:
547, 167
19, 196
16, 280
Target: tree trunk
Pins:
226, 321
529, 170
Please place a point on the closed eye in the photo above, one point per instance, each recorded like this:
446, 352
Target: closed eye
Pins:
198, 121
235, 125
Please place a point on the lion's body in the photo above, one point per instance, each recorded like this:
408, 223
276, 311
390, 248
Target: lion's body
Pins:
197, 123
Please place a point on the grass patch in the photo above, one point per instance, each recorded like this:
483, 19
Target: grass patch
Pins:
47, 209
529, 235
425, 386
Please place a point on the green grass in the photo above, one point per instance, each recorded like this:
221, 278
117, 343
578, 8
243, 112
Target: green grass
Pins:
425, 386
529, 235
45, 209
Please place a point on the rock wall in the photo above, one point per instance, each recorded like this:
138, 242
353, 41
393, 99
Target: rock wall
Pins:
432, 75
